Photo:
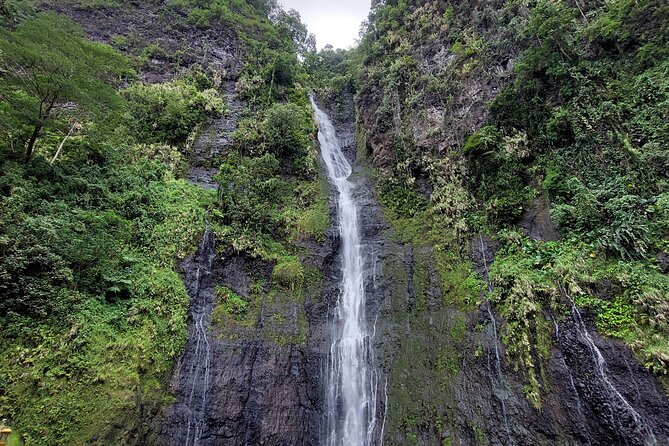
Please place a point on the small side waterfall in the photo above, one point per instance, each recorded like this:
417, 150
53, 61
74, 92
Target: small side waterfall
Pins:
625, 416
503, 393
198, 373
186, 420
351, 381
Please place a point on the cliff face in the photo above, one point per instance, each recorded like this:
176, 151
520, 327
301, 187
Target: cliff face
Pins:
451, 379
253, 382
430, 72
455, 102
258, 335
160, 34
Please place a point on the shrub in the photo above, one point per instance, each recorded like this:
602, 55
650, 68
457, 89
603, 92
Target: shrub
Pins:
287, 130
169, 112
289, 272
229, 304
249, 193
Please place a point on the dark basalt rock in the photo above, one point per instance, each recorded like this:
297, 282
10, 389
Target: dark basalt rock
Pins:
159, 23
213, 142
663, 262
537, 223
263, 381
216, 138
622, 405
258, 391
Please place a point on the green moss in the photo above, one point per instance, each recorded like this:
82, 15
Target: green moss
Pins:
529, 277
289, 273
400, 197
458, 287
421, 280
459, 329
309, 213
14, 440
229, 305
479, 435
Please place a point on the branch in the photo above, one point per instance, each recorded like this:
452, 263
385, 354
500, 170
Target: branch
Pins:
75, 126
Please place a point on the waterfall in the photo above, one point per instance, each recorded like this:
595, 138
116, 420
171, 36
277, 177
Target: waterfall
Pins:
625, 416
197, 380
351, 381
504, 394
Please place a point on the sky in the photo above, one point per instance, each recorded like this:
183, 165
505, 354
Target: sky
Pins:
334, 22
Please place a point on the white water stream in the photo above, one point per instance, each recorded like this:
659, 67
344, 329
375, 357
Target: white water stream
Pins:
504, 394
198, 375
628, 418
351, 380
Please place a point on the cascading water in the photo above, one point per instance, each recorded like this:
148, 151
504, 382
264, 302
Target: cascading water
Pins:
503, 392
187, 421
351, 381
627, 419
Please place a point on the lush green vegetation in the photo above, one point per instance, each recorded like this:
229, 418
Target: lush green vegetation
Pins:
95, 213
47, 62
583, 117
168, 112
579, 119
93, 312
470, 115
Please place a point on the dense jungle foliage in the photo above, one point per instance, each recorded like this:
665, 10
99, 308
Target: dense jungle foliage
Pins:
95, 213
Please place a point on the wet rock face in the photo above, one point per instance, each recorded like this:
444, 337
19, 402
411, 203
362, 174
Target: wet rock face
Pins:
438, 124
451, 382
615, 399
144, 23
257, 389
266, 391
536, 221
372, 228
213, 142
256, 381
191, 381
579, 407
343, 118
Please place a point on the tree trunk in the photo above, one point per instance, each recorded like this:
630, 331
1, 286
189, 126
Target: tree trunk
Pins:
31, 141
45, 107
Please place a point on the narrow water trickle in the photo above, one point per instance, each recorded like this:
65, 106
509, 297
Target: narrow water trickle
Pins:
504, 393
351, 380
625, 416
198, 373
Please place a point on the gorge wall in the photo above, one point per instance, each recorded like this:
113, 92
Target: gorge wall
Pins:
510, 170
457, 107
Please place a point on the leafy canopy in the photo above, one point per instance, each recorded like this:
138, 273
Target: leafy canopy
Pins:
46, 65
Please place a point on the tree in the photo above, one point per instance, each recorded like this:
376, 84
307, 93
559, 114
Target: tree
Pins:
290, 24
47, 64
287, 130
15, 11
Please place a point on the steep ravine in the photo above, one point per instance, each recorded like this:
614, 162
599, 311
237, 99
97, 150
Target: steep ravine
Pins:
352, 378
451, 382
441, 373
244, 386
